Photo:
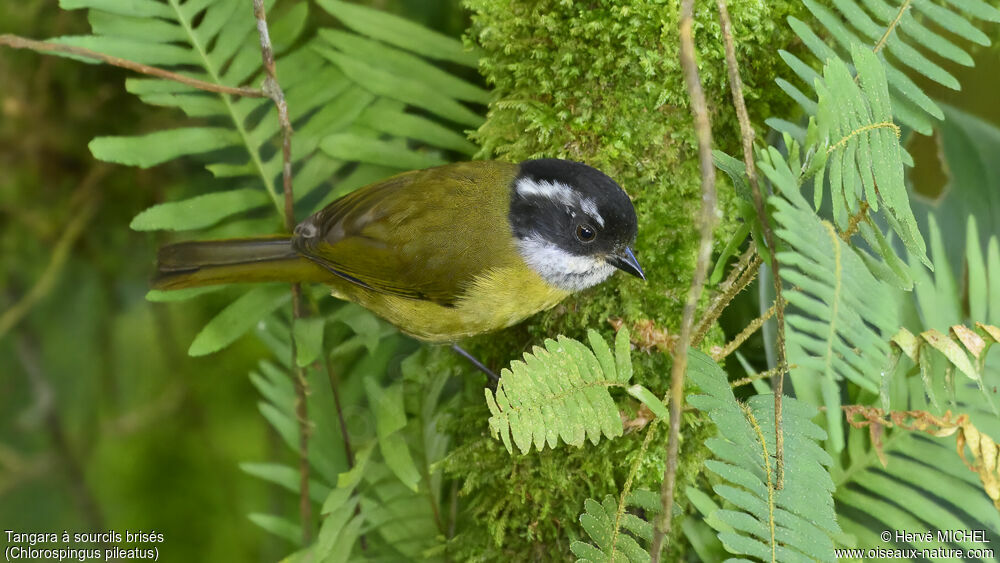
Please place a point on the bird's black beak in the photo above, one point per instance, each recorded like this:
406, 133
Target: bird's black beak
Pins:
626, 262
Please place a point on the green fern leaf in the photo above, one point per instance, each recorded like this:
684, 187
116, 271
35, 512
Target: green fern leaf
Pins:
214, 41
606, 524
398, 521
855, 122
845, 316
560, 392
791, 524
346, 146
940, 492
944, 344
198, 212
404, 64
898, 34
349, 99
390, 418
400, 32
340, 529
407, 90
287, 477
277, 525
237, 318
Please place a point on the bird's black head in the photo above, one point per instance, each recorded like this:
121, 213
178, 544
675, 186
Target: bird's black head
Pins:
573, 224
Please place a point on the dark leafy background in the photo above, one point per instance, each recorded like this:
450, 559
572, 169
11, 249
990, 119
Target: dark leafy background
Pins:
105, 422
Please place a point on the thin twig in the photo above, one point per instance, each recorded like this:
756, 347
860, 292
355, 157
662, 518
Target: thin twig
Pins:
767, 469
748, 136
335, 386
273, 90
747, 332
89, 199
302, 415
18, 42
892, 26
703, 131
627, 488
334, 379
750, 379
742, 274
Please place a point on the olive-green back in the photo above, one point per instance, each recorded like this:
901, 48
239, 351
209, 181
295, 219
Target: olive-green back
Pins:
425, 234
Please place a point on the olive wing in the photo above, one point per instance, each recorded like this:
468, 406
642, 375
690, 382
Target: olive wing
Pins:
423, 235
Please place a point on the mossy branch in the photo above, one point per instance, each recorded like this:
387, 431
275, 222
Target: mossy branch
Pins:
748, 136
703, 131
273, 90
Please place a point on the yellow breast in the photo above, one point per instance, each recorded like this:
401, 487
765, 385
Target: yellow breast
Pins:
497, 299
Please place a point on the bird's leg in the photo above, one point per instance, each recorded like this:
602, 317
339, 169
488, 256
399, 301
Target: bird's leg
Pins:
479, 365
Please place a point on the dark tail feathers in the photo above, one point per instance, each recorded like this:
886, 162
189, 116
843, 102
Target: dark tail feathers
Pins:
264, 259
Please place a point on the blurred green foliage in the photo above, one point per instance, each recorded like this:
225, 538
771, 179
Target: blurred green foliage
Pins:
106, 422
93, 373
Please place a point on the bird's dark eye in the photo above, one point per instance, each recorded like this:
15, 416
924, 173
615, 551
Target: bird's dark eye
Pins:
585, 234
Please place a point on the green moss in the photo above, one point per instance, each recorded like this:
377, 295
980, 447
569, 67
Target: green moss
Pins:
600, 82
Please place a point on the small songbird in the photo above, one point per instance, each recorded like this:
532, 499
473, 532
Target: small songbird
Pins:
443, 253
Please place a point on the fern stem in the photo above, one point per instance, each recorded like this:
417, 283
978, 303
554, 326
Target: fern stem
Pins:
18, 42
746, 333
742, 274
703, 132
861, 130
273, 89
302, 416
762, 375
834, 303
748, 137
627, 488
237, 122
891, 27
770, 480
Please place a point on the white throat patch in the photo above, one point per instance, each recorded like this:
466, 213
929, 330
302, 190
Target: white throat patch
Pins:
559, 192
560, 268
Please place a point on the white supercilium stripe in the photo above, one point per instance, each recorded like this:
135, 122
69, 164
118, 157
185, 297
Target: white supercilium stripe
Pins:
559, 192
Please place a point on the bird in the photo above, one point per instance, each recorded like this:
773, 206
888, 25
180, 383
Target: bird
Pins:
443, 253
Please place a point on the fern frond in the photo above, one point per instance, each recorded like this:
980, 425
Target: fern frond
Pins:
946, 342
608, 532
351, 99
844, 315
347, 108
896, 31
962, 348
863, 161
561, 392
985, 459
924, 487
214, 41
791, 524
385, 486
940, 492
340, 527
